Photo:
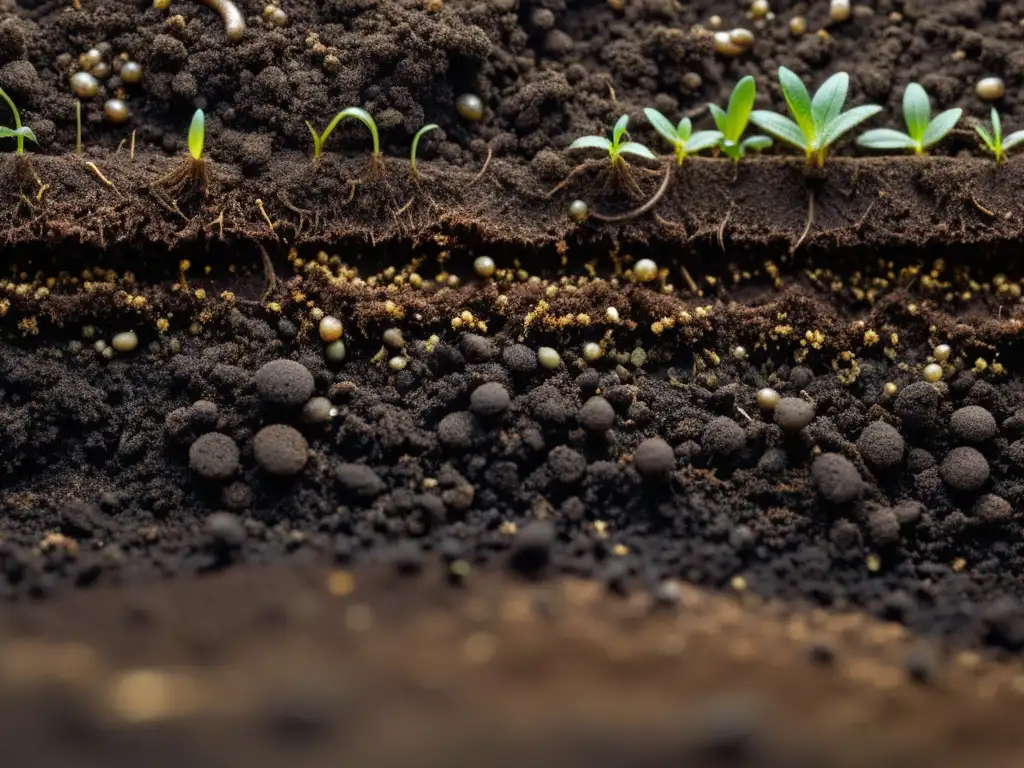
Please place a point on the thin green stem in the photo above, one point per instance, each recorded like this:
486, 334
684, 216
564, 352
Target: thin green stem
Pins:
415, 145
17, 121
78, 127
359, 114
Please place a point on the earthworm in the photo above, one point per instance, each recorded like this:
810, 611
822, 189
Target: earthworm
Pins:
234, 21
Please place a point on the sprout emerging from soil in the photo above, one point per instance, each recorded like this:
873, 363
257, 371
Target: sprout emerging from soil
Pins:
681, 136
733, 122
193, 169
19, 132
359, 114
616, 147
996, 143
415, 145
922, 131
197, 135
819, 122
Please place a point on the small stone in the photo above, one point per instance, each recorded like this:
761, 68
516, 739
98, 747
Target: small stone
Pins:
280, 450
654, 458
965, 469
489, 399
596, 415
992, 509
836, 478
457, 430
973, 424
360, 480
284, 383
214, 457
567, 465
723, 437
520, 359
477, 348
881, 445
793, 414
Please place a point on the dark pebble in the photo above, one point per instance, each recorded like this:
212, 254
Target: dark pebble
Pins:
800, 377
723, 437
654, 458
836, 478
964, 469
793, 414
214, 457
360, 480
457, 430
520, 359
772, 461
919, 460
567, 465
881, 445
284, 383
973, 424
921, 666
407, 558
531, 552
489, 399
667, 594
883, 526
822, 654
596, 415
992, 509
280, 450
917, 404
236, 496
477, 349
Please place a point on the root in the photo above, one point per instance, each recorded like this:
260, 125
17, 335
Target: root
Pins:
189, 173
690, 281
584, 166
483, 170
721, 228
300, 212
864, 218
266, 218
643, 208
810, 221
269, 274
220, 221
983, 209
92, 167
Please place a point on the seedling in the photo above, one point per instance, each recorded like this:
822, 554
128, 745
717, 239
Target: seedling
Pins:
819, 122
922, 132
682, 138
19, 132
359, 114
415, 145
197, 136
733, 122
193, 168
995, 142
615, 147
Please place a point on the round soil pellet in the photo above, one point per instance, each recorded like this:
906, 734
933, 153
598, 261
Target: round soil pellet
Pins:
489, 399
654, 458
723, 437
992, 509
519, 359
793, 414
531, 551
280, 450
973, 424
917, 404
596, 415
457, 430
836, 478
567, 465
360, 480
881, 445
214, 457
964, 469
284, 383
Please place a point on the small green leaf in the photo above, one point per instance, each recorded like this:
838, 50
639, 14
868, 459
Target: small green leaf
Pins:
886, 138
845, 122
662, 125
741, 101
633, 148
416, 145
755, 144
997, 127
721, 119
917, 111
619, 129
13, 133
828, 101
592, 142
798, 101
1013, 140
702, 140
684, 129
197, 135
780, 126
940, 127
986, 137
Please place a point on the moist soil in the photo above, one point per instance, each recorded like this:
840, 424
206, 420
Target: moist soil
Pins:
873, 489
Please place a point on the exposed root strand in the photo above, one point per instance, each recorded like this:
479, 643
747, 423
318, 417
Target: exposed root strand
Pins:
643, 208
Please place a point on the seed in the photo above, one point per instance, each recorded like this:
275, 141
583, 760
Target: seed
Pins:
839, 10
548, 358
99, 345
484, 266
797, 26
393, 338
932, 372
739, 353
84, 85
724, 45
991, 88
335, 351
611, 315
397, 363
645, 270
470, 107
692, 81
161, 5
330, 329
91, 58
759, 9
101, 70
744, 38
715, 21
768, 398
592, 351
125, 342
890, 389
278, 18
942, 352
578, 210
131, 72
317, 410
116, 110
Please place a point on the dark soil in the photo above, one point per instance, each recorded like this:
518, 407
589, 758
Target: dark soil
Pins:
870, 490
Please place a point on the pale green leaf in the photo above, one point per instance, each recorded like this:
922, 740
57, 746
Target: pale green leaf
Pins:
662, 125
13, 133
917, 111
1013, 140
633, 148
828, 101
702, 140
798, 101
619, 129
755, 144
197, 135
886, 138
986, 137
780, 126
741, 101
847, 121
721, 119
684, 128
940, 127
592, 142
997, 127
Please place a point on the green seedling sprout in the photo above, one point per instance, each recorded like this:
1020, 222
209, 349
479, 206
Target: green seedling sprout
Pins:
922, 131
994, 141
416, 144
19, 132
682, 138
819, 122
78, 127
197, 135
615, 147
359, 114
732, 122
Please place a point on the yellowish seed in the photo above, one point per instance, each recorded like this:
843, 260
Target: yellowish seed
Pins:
330, 329
759, 9
797, 26
890, 389
470, 107
932, 373
942, 352
990, 88
645, 270
724, 45
484, 266
768, 398
744, 38
125, 342
116, 111
578, 210
839, 10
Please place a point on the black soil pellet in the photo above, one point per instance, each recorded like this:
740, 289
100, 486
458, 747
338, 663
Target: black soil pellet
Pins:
881, 445
280, 450
214, 457
723, 437
489, 399
360, 480
284, 383
531, 551
836, 478
567, 465
793, 413
519, 359
596, 415
457, 430
654, 458
973, 424
965, 469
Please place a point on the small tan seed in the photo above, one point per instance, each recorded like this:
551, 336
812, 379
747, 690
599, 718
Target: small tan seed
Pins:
724, 45
131, 72
797, 26
125, 342
548, 358
484, 266
116, 111
839, 10
578, 210
768, 398
84, 85
759, 9
932, 373
744, 38
470, 107
942, 352
991, 88
645, 270
330, 329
